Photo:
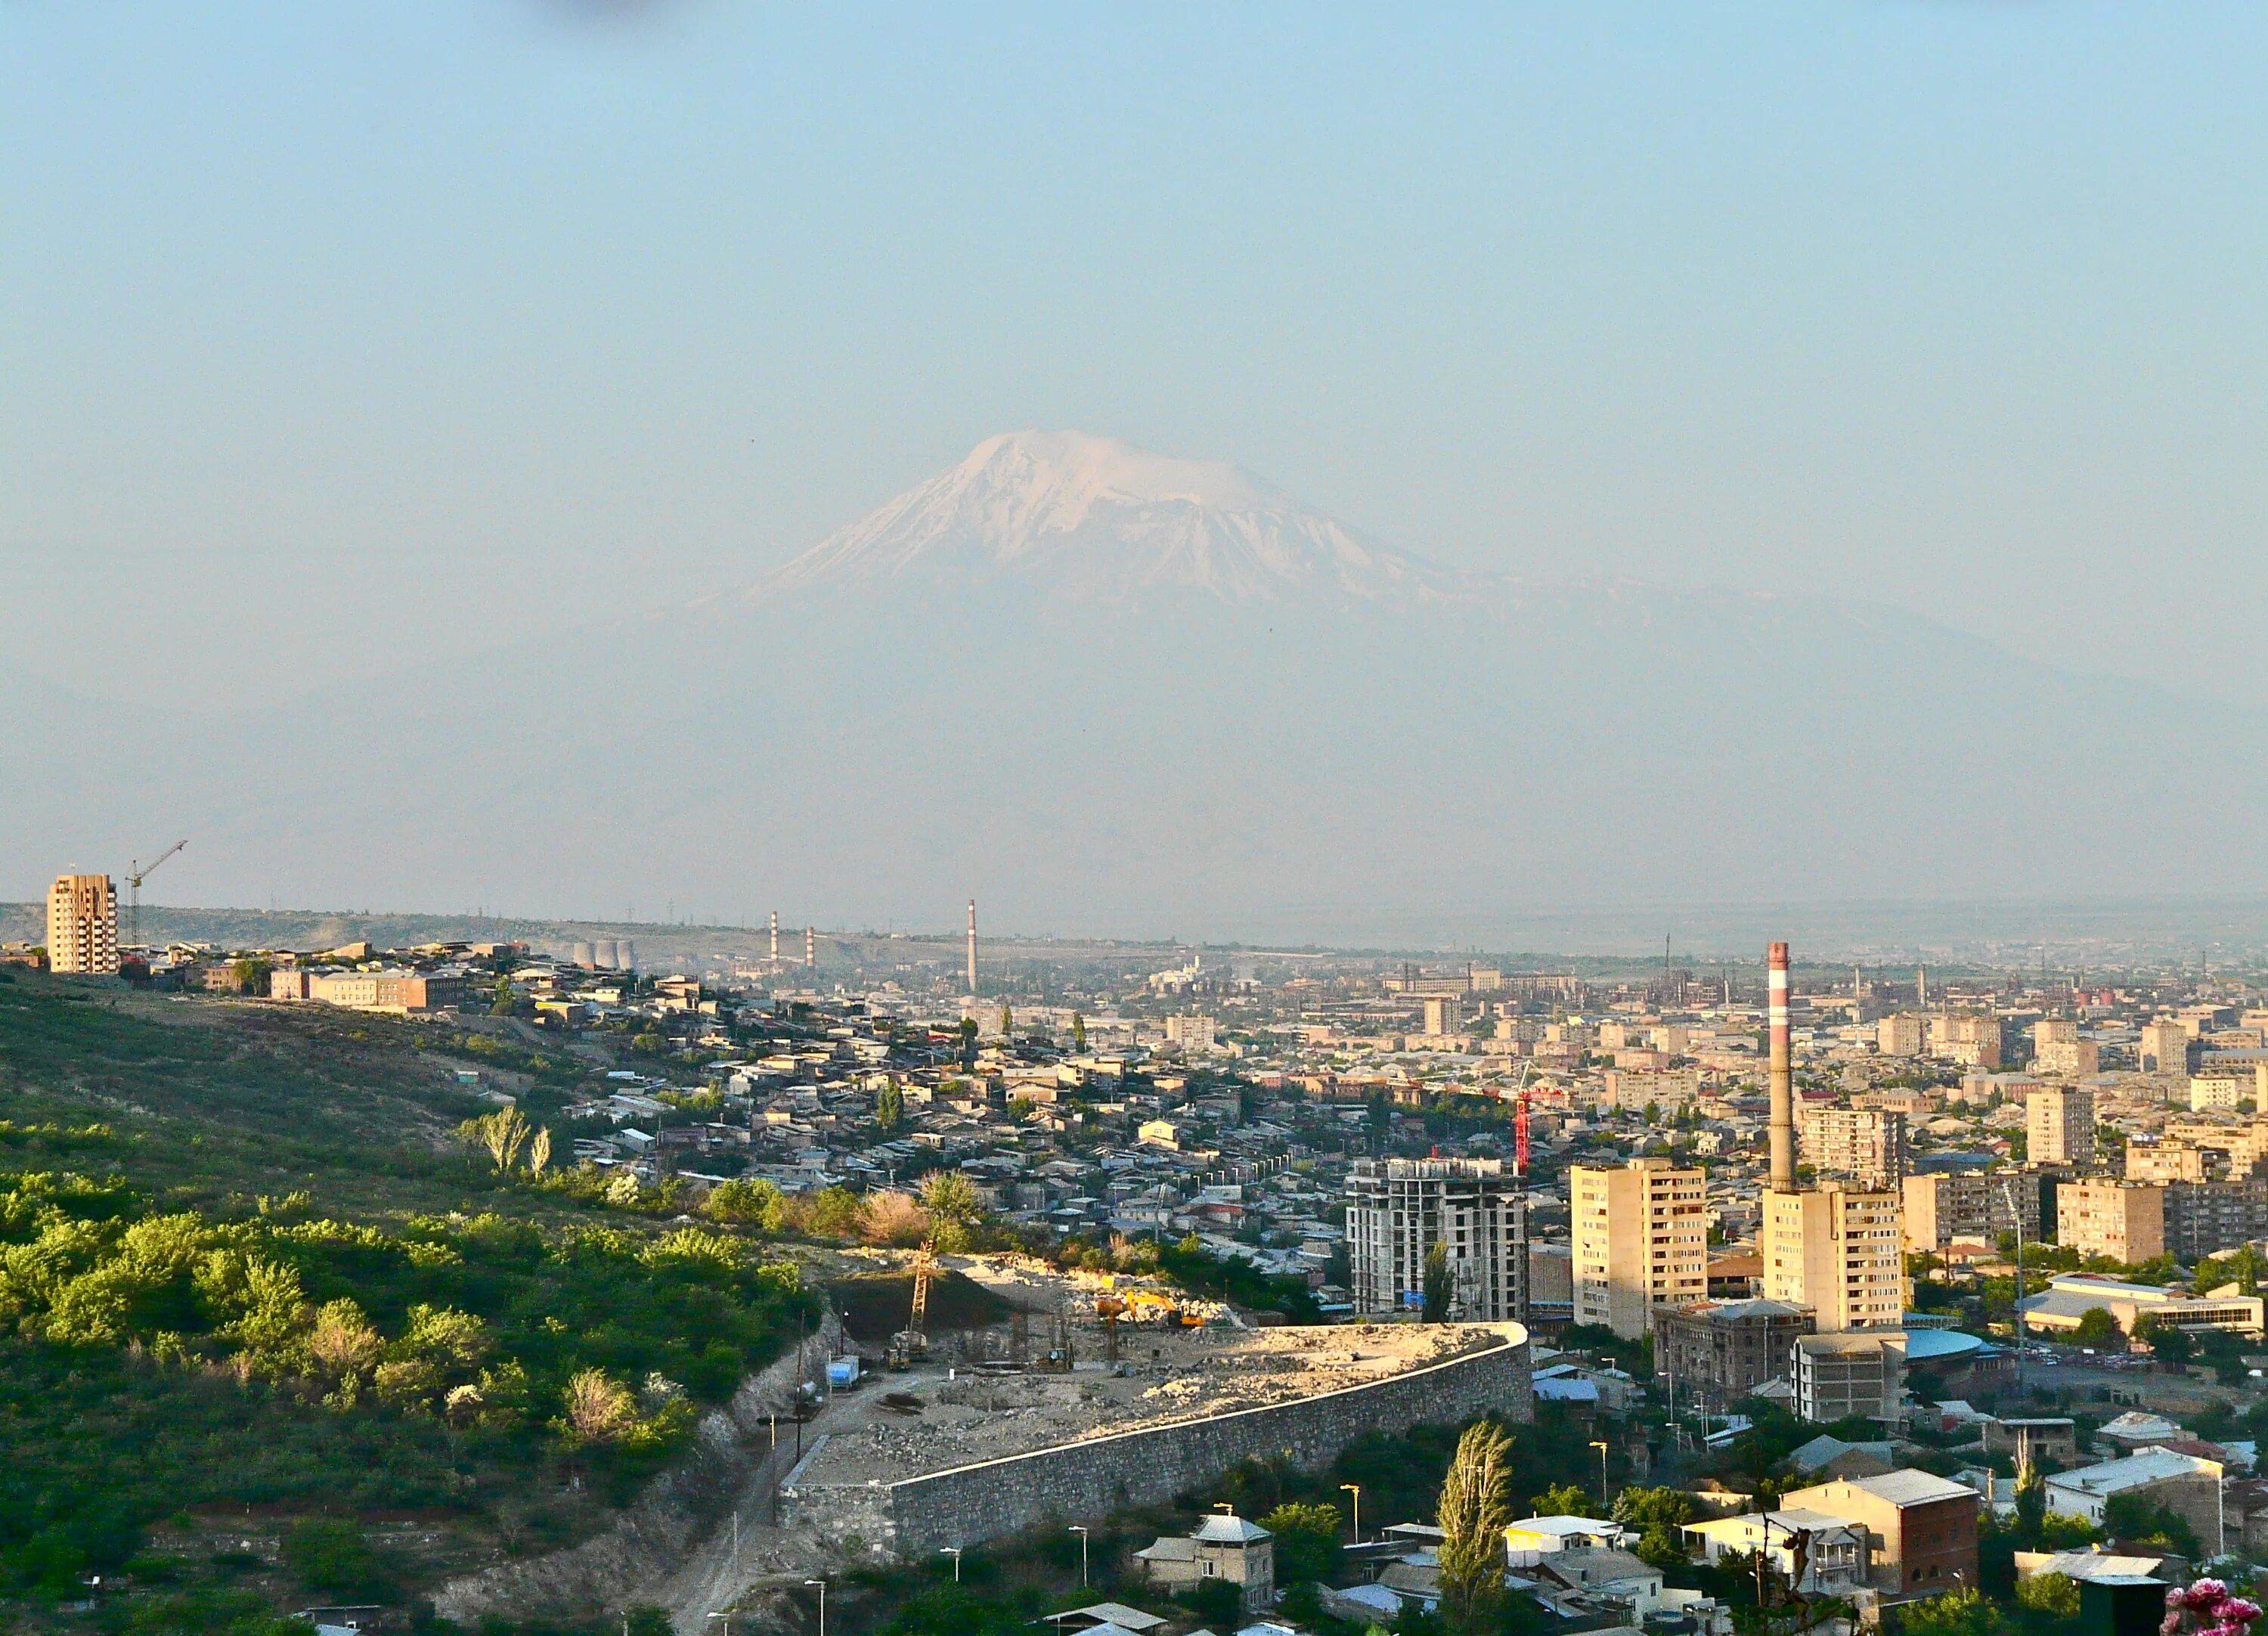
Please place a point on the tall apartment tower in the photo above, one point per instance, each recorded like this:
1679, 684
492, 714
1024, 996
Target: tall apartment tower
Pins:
1837, 1251
1398, 1209
1867, 1145
2059, 1125
83, 925
1641, 1242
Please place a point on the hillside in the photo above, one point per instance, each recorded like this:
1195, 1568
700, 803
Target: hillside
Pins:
271, 1335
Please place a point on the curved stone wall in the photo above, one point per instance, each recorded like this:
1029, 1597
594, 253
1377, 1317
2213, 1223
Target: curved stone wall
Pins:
1087, 1480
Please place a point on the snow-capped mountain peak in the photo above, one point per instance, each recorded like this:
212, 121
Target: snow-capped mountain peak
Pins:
1101, 520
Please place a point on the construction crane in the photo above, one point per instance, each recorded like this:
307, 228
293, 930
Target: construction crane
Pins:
135, 877
912, 1342
1520, 1119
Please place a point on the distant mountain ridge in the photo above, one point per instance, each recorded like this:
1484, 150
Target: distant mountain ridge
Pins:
1114, 693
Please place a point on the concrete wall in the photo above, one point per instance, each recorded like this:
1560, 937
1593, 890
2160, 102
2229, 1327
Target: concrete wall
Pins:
915, 1516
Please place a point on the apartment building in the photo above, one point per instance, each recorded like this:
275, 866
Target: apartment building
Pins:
1664, 1089
2219, 1093
1719, 1351
1863, 1144
1967, 1037
1945, 1209
82, 926
1901, 1036
2059, 1125
1397, 1209
2164, 1048
2209, 1218
1838, 1252
1641, 1236
2069, 1060
2124, 1220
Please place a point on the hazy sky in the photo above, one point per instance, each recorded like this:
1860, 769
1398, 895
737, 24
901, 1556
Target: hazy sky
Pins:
339, 335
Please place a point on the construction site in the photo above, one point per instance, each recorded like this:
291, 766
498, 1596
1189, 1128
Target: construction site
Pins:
1043, 1366
1075, 1357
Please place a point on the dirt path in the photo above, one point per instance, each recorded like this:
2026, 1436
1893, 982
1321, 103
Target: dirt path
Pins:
745, 1552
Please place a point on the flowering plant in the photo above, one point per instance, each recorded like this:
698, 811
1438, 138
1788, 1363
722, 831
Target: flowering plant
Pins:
2207, 1609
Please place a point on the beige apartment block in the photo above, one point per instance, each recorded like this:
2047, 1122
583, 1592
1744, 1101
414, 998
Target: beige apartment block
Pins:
1901, 1036
2054, 1031
1945, 1208
1967, 1037
2172, 1161
1668, 1089
1838, 1252
2059, 1125
2219, 1093
1641, 1237
2164, 1049
82, 926
2124, 1220
2069, 1060
1863, 1144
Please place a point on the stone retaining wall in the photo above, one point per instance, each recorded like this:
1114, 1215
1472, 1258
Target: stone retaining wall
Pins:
913, 1517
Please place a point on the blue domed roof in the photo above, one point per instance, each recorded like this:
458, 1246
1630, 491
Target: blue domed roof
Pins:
1936, 1345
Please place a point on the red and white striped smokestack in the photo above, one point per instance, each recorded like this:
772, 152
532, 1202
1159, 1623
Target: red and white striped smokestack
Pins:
1783, 1074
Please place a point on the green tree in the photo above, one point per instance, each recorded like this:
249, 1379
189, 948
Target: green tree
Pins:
1306, 1541
1440, 1283
1658, 1514
2053, 1594
1007, 1021
1475, 1509
1965, 1612
747, 1201
1079, 1033
501, 1134
2135, 1519
2167, 1341
890, 1105
502, 999
1564, 1499
330, 1554
2098, 1328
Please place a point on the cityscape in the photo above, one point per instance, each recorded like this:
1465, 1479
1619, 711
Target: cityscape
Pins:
1280, 819
1965, 1250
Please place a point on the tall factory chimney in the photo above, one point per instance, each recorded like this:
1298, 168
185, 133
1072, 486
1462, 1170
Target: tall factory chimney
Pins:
1783, 1074
775, 936
972, 946
810, 946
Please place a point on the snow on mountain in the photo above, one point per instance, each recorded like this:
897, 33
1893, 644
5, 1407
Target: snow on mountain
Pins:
1098, 520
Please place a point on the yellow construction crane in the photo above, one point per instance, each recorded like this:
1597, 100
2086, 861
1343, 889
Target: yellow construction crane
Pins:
912, 1342
134, 876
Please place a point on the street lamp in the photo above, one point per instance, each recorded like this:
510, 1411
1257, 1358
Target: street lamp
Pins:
1356, 1490
823, 1603
1079, 1529
954, 1552
1601, 1447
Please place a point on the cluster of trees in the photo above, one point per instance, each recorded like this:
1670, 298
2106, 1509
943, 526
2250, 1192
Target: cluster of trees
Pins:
947, 1211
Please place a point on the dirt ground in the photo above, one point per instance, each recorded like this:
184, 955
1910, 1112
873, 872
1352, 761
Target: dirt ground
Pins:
959, 1407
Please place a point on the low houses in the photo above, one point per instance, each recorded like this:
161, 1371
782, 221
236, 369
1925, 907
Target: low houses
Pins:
1921, 1529
1225, 1547
2185, 1485
1833, 1550
2031, 1441
1532, 1537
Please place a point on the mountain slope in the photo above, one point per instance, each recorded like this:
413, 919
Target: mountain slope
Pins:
1023, 680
